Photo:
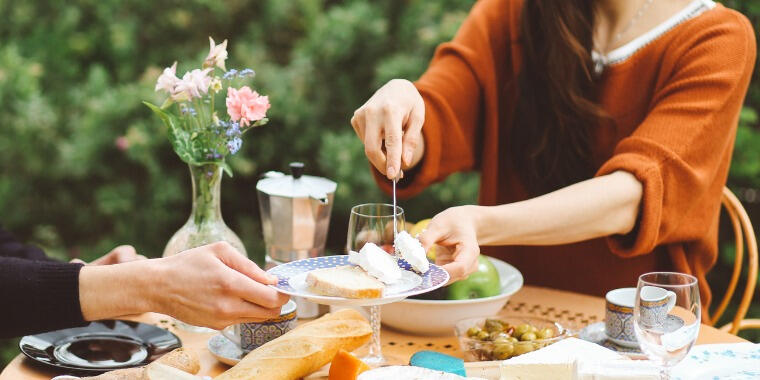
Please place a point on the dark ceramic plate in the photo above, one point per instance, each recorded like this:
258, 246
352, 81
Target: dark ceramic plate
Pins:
100, 346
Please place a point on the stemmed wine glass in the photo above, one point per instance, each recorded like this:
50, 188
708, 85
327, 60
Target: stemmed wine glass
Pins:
666, 317
374, 223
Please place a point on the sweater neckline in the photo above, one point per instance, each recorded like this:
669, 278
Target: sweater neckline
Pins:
623, 53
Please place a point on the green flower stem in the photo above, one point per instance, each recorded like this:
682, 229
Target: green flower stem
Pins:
207, 181
200, 120
213, 95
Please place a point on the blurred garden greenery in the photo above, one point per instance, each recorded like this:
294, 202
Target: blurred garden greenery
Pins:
86, 167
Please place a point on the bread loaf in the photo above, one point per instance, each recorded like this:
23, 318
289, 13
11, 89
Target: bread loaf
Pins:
304, 349
180, 358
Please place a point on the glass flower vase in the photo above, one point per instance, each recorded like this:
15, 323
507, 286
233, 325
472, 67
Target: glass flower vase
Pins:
205, 224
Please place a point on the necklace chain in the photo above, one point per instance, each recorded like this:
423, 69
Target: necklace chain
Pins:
640, 12
600, 59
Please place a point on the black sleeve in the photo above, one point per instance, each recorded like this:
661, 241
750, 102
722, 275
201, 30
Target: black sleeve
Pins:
38, 296
37, 293
10, 247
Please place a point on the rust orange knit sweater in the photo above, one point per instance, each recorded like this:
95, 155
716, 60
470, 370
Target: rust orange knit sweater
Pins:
675, 103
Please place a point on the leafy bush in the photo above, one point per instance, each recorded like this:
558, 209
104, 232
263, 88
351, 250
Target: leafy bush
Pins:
87, 167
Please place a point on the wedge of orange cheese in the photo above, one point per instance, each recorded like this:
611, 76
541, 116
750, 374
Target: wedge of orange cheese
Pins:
346, 366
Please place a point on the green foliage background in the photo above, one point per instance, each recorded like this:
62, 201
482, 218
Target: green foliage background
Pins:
72, 75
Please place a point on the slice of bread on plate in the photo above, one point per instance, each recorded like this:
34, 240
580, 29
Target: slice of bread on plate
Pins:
346, 281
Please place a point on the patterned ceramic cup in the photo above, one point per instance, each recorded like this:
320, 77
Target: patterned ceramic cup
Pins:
618, 322
656, 303
249, 336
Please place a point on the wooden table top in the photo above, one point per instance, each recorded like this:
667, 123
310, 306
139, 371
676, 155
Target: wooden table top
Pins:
570, 308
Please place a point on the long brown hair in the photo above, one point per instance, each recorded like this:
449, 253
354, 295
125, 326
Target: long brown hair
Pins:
556, 108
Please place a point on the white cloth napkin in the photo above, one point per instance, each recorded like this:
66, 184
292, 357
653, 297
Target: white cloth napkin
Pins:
735, 361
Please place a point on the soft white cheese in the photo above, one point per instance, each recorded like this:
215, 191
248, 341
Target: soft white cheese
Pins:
409, 373
412, 251
377, 263
557, 361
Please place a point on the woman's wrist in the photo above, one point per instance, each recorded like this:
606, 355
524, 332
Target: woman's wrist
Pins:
491, 225
109, 291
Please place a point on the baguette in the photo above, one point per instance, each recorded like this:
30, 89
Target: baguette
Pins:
303, 350
344, 281
180, 358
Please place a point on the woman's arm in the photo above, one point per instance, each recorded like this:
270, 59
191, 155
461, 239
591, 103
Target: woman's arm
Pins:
456, 98
601, 206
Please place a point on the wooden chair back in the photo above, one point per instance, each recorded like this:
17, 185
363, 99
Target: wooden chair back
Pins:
743, 231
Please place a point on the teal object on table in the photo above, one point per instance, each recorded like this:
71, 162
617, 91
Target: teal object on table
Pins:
439, 362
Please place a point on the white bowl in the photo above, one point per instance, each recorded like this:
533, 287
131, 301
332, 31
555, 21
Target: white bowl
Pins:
429, 317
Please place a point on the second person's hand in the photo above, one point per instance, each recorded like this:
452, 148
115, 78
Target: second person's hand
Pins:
216, 286
212, 286
390, 126
454, 232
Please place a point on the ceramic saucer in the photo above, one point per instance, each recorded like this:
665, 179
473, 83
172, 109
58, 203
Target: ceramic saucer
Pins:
595, 333
224, 350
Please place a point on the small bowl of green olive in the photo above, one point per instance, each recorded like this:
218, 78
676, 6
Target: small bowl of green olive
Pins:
500, 338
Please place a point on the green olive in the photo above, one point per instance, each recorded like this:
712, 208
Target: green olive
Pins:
522, 329
496, 335
522, 348
492, 325
503, 351
545, 333
502, 340
533, 328
472, 331
482, 335
513, 339
528, 336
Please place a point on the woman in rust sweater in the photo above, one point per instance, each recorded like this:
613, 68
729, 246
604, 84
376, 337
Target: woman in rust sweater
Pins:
602, 130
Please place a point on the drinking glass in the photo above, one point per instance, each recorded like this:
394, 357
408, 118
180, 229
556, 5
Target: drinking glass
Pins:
374, 223
666, 317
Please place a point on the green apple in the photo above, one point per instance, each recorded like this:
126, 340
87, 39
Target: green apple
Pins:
483, 283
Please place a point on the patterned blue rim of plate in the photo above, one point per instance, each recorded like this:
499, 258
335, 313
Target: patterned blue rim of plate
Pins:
431, 280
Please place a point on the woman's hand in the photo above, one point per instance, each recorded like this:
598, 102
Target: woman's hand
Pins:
390, 126
454, 231
211, 286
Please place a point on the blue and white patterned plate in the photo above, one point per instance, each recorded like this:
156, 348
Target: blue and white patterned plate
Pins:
594, 333
737, 361
292, 278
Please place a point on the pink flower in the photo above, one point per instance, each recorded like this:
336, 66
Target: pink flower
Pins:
121, 143
246, 106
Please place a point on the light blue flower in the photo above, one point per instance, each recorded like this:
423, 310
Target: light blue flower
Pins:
233, 130
247, 72
234, 145
230, 74
185, 109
